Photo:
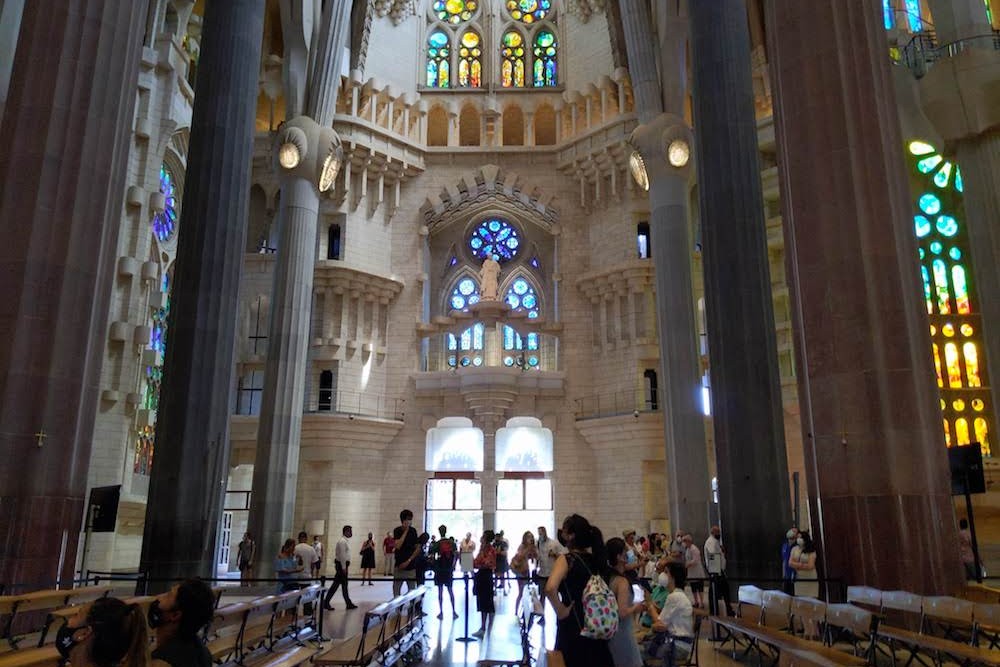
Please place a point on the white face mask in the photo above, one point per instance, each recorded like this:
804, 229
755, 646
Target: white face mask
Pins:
663, 580
800, 542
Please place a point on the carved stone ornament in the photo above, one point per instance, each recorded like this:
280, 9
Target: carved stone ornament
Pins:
397, 10
583, 9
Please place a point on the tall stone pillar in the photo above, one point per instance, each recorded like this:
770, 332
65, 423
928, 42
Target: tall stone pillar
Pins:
63, 152
688, 485
190, 467
875, 460
746, 393
309, 157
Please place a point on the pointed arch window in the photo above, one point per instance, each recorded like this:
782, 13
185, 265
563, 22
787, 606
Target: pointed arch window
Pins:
165, 222
455, 11
521, 350
465, 294
544, 67
513, 55
528, 11
438, 56
470, 60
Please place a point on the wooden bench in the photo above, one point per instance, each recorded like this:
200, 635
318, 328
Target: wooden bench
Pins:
31, 657
948, 617
15, 606
919, 644
854, 626
986, 628
225, 632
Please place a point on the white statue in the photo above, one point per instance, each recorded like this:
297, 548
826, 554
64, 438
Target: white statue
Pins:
489, 279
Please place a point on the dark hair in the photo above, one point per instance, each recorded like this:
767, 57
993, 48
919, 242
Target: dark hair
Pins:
586, 536
303, 535
343, 531
963, 523
196, 602
678, 572
423, 538
487, 538
443, 529
119, 633
405, 515
807, 542
615, 547
289, 543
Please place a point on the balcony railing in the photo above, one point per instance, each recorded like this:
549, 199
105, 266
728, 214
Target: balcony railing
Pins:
360, 404
921, 52
617, 403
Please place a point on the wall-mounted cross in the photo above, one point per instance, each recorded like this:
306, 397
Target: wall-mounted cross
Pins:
41, 435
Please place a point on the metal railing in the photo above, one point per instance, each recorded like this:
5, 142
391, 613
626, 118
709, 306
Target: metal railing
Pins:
923, 50
359, 404
627, 402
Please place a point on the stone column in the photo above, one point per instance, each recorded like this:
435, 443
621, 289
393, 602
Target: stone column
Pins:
192, 432
689, 488
875, 459
746, 392
63, 153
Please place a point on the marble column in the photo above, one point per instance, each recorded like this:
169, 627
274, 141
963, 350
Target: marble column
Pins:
63, 153
874, 452
190, 467
746, 394
688, 485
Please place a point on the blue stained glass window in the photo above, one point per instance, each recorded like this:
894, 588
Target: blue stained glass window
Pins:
495, 237
544, 70
534, 262
947, 225
165, 222
521, 296
467, 348
929, 204
888, 16
913, 15
464, 295
922, 225
955, 254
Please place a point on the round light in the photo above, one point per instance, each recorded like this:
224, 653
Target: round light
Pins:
331, 167
948, 329
288, 155
638, 169
678, 153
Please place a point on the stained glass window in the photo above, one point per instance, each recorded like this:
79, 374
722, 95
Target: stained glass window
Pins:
165, 222
949, 295
888, 15
150, 397
521, 295
470, 61
913, 15
438, 55
512, 68
544, 67
495, 237
467, 348
465, 294
455, 11
528, 11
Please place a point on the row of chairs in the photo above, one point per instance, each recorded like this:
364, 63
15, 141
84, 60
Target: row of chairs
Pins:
388, 632
31, 613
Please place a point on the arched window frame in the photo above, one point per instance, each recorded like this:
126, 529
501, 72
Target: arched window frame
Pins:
518, 350
454, 32
472, 340
529, 32
513, 59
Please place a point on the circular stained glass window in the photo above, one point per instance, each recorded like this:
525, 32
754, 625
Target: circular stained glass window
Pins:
958, 404
165, 222
455, 11
948, 330
936, 247
947, 225
929, 204
955, 254
497, 238
978, 405
529, 11
966, 329
464, 295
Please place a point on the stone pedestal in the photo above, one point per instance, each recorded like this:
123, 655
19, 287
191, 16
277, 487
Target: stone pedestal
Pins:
190, 466
875, 457
746, 394
63, 151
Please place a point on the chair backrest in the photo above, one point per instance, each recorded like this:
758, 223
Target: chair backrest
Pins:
865, 596
861, 622
808, 616
88, 594
287, 600
902, 609
986, 614
777, 609
750, 602
954, 610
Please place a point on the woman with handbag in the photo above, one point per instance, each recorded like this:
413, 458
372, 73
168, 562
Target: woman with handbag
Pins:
585, 556
482, 585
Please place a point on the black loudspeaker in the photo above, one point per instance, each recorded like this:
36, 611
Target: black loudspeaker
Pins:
966, 464
103, 509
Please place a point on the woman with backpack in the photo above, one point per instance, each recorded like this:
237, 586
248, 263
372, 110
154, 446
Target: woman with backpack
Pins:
571, 574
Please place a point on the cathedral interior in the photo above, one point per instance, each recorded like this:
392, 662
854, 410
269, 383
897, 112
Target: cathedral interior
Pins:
291, 265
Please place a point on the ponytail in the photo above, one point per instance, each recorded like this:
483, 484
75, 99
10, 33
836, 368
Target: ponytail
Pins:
135, 626
120, 636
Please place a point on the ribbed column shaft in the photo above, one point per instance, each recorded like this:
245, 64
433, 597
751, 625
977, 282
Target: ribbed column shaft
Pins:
979, 158
874, 452
746, 393
190, 467
63, 151
639, 42
276, 466
326, 58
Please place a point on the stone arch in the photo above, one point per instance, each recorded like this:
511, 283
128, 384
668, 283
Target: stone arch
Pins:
545, 125
437, 126
469, 126
513, 126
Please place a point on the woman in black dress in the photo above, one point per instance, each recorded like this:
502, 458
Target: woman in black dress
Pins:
367, 560
482, 586
564, 589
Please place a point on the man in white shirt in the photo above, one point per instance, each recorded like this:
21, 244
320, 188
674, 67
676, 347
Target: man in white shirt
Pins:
715, 558
342, 562
306, 555
318, 547
548, 551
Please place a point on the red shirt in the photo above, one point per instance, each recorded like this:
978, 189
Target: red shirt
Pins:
389, 545
487, 558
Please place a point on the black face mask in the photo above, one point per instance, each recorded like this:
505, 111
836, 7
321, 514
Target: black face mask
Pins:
65, 640
155, 615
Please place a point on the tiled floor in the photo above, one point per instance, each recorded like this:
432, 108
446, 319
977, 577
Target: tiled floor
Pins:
502, 641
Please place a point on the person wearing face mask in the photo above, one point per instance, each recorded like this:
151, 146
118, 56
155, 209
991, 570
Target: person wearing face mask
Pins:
624, 648
176, 618
788, 572
803, 561
107, 633
674, 624
715, 557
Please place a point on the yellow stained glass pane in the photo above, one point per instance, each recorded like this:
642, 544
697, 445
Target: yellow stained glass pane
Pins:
937, 366
982, 434
454, 6
978, 405
951, 362
962, 431
947, 434
463, 73
958, 404
971, 354
470, 39
519, 74
948, 330
506, 74
967, 329
477, 73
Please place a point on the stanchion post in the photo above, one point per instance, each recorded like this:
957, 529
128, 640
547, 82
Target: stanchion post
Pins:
321, 607
713, 604
467, 638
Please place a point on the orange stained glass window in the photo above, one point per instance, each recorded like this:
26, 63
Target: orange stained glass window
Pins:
961, 290
512, 52
951, 361
947, 434
982, 434
470, 63
962, 431
937, 364
972, 364
941, 282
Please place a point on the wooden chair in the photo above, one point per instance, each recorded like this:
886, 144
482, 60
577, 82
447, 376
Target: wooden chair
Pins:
225, 632
948, 617
808, 618
987, 625
852, 625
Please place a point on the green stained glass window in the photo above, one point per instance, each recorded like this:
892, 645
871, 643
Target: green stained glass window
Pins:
513, 56
470, 60
544, 68
438, 56
529, 11
455, 11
